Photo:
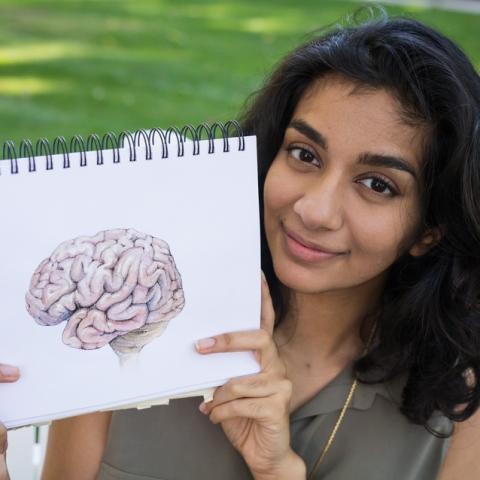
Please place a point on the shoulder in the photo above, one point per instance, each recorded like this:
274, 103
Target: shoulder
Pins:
463, 455
373, 422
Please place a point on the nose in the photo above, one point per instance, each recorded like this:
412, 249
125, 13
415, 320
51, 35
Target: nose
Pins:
321, 205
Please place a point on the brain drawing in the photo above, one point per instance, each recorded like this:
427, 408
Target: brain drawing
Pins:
119, 287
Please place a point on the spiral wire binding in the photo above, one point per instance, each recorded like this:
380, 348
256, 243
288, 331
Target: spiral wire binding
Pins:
26, 151
110, 141
60, 144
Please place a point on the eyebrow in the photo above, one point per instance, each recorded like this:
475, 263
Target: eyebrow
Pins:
388, 161
373, 159
314, 135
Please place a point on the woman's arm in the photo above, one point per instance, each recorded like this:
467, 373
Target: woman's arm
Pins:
8, 374
75, 447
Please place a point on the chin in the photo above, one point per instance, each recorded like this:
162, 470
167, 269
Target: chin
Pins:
300, 279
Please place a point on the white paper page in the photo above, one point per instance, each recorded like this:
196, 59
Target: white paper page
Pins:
205, 207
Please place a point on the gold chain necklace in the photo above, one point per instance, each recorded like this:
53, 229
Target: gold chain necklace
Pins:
329, 442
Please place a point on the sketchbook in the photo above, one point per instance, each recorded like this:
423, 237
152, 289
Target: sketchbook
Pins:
118, 253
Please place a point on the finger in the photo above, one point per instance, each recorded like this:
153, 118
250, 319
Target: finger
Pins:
255, 409
267, 313
251, 386
259, 385
8, 373
257, 340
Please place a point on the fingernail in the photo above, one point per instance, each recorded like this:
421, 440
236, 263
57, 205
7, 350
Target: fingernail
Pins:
203, 408
9, 371
205, 343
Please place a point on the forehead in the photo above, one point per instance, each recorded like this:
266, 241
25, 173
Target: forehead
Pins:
360, 118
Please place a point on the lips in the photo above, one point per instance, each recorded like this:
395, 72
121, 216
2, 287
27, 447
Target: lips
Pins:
305, 251
309, 245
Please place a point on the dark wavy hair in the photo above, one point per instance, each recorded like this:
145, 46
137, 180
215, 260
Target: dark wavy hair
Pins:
429, 326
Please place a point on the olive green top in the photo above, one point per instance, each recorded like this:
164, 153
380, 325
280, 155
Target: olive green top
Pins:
374, 442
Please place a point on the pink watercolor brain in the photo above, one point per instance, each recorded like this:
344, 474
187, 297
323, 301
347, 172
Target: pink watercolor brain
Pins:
119, 287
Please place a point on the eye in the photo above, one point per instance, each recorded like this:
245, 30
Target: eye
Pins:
303, 154
380, 185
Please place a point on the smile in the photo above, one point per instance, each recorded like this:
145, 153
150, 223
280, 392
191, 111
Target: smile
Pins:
308, 253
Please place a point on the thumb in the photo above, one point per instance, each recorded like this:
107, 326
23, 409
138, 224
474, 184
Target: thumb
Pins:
8, 373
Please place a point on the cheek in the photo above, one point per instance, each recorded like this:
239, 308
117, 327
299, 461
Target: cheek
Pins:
281, 189
279, 193
278, 190
379, 236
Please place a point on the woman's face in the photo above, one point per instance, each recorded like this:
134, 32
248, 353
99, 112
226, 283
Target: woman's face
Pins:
344, 181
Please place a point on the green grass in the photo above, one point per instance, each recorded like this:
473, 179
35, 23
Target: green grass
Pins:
70, 67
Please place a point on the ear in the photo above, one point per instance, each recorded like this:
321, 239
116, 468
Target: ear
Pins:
428, 240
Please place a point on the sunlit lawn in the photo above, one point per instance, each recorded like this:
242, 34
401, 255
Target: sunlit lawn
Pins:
71, 67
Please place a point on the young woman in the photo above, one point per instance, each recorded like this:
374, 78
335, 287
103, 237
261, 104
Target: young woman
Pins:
369, 172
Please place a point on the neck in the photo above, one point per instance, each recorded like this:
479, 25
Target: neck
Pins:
329, 327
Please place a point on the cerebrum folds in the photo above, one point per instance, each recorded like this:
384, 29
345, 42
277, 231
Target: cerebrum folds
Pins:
119, 287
